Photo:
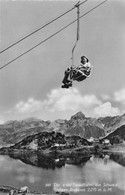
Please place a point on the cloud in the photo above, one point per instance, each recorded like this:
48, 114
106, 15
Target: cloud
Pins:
106, 109
62, 103
24, 109
30, 106
2, 121
58, 103
62, 100
105, 97
58, 100
119, 96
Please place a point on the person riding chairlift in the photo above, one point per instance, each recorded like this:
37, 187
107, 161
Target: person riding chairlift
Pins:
78, 73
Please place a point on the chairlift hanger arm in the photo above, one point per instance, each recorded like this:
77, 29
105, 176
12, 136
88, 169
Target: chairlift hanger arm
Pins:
77, 37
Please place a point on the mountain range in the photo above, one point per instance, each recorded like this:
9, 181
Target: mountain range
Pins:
12, 132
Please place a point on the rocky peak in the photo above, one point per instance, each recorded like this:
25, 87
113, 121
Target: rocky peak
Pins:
77, 116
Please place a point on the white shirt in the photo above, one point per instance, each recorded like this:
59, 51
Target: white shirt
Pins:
85, 68
87, 65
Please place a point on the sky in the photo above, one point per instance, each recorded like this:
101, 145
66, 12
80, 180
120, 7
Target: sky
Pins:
31, 85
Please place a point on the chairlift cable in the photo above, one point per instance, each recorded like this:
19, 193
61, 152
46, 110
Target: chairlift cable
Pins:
38, 29
52, 35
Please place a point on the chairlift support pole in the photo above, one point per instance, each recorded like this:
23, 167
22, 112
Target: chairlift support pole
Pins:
77, 38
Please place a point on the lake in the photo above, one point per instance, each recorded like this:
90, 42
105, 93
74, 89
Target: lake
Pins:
96, 176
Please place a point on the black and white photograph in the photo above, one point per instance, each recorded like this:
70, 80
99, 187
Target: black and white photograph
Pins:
62, 97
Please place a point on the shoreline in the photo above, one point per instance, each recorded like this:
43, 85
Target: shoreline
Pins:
8, 190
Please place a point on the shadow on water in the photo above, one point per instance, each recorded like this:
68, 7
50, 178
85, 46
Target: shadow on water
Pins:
54, 160
50, 161
118, 158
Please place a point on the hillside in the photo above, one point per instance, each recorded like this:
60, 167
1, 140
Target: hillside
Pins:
117, 136
14, 131
46, 140
112, 123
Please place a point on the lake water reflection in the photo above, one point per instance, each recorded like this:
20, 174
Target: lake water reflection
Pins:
103, 176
